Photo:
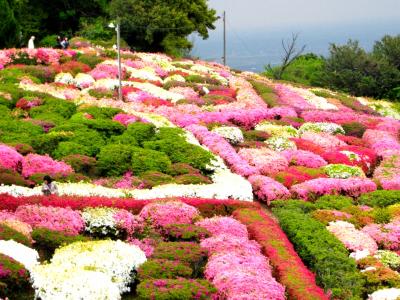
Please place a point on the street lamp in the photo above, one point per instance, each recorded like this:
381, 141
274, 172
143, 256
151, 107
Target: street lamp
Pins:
118, 30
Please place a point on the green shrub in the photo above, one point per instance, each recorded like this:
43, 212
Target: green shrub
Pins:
256, 135
178, 150
90, 60
381, 278
299, 205
333, 202
354, 129
114, 159
192, 179
176, 289
68, 148
49, 41
8, 233
101, 93
381, 215
82, 164
101, 112
24, 149
4, 111
43, 73
49, 240
14, 131
47, 143
54, 106
380, 198
149, 160
55, 119
106, 128
141, 131
152, 178
183, 169
186, 252
202, 79
163, 268
185, 232
14, 276
323, 253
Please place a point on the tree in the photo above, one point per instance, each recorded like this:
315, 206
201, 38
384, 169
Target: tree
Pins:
291, 54
388, 48
162, 25
8, 26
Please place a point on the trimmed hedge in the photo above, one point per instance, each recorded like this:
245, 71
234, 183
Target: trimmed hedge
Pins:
176, 289
13, 276
114, 159
185, 232
380, 198
163, 268
323, 253
8, 233
291, 272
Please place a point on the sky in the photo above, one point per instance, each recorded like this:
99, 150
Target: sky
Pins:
255, 28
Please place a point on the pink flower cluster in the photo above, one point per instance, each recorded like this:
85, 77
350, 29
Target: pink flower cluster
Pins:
381, 141
268, 189
268, 162
221, 147
53, 218
125, 119
146, 245
165, 213
224, 225
34, 163
324, 140
387, 235
102, 71
187, 92
353, 239
129, 222
304, 158
46, 56
352, 187
291, 98
236, 266
10, 158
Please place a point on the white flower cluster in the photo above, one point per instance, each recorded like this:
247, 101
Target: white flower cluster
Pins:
100, 220
65, 78
175, 77
317, 101
146, 73
385, 294
157, 91
277, 130
233, 134
28, 257
330, 128
279, 144
83, 80
115, 260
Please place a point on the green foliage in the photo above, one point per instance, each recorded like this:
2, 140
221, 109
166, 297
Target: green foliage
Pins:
176, 289
47, 143
69, 148
82, 164
256, 135
149, 160
153, 178
381, 215
180, 17
89, 59
141, 132
354, 129
323, 253
333, 202
14, 131
101, 112
105, 127
186, 252
185, 232
49, 41
202, 79
114, 159
9, 27
54, 106
16, 278
381, 278
299, 205
380, 198
49, 240
9, 177
182, 169
388, 48
95, 29
163, 268
192, 179
8, 233
43, 73
266, 93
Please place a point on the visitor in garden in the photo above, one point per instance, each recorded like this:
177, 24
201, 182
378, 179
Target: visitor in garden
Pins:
49, 187
65, 43
31, 44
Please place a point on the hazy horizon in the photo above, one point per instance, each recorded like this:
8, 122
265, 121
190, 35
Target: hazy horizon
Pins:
254, 35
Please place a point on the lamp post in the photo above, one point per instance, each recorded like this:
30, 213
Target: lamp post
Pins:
118, 30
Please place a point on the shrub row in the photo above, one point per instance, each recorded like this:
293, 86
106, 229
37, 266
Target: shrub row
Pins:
323, 253
291, 272
207, 207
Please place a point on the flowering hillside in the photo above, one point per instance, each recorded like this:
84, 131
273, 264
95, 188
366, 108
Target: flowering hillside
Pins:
196, 129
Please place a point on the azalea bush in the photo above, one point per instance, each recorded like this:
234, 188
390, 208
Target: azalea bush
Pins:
163, 268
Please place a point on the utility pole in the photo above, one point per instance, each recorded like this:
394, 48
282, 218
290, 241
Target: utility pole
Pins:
224, 57
119, 60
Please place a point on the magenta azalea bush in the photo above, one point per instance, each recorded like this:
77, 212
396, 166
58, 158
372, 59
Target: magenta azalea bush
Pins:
34, 163
268, 189
10, 158
166, 213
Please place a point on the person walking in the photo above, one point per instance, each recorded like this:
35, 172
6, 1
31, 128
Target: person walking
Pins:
31, 44
59, 41
49, 187
65, 43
